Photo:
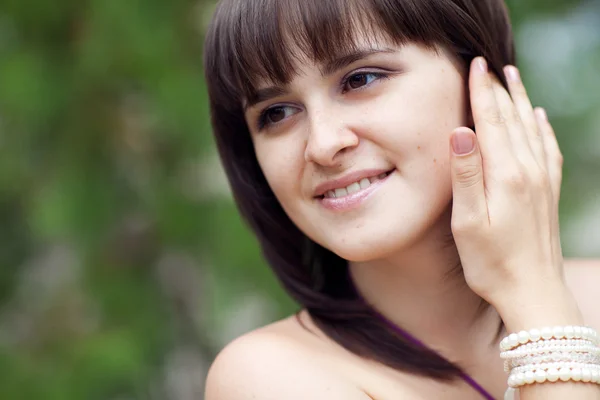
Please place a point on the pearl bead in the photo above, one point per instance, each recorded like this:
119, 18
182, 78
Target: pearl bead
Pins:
552, 374
513, 339
535, 335
569, 332
558, 332
577, 332
585, 333
511, 381
564, 374
595, 376
540, 376
529, 377
523, 337
586, 375
546, 333
576, 374
520, 379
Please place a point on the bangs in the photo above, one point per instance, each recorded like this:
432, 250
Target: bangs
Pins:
253, 41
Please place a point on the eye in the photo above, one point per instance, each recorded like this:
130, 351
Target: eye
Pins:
274, 115
360, 79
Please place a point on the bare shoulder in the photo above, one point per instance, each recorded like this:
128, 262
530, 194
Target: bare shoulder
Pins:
583, 277
272, 364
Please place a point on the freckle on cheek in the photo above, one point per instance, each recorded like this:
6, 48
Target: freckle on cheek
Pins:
418, 147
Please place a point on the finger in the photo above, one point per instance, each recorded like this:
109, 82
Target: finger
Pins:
515, 127
489, 122
525, 109
469, 204
554, 157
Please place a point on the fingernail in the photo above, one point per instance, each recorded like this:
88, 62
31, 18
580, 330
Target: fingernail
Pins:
512, 73
483, 67
462, 143
541, 113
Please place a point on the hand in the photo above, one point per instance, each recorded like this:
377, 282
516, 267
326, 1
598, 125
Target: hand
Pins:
506, 193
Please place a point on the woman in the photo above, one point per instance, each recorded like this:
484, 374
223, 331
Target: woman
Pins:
347, 131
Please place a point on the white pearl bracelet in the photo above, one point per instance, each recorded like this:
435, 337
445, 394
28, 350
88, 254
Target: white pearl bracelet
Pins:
514, 340
586, 374
545, 348
570, 353
557, 365
551, 358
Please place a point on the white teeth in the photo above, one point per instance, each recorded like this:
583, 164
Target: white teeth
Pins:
355, 187
341, 192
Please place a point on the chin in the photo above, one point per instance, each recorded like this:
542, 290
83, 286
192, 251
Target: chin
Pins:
358, 255
384, 238
367, 246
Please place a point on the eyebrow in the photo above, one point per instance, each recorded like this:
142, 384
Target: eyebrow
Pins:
328, 69
343, 61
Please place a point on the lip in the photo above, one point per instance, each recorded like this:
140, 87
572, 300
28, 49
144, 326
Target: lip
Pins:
354, 200
348, 180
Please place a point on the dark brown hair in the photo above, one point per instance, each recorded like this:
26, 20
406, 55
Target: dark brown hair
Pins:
249, 40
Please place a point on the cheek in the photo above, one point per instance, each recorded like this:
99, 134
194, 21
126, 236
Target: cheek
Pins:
417, 123
436, 108
281, 163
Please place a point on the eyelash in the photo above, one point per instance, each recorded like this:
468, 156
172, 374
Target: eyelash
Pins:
262, 119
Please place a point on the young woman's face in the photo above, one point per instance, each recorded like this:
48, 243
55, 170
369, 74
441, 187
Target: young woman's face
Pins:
357, 151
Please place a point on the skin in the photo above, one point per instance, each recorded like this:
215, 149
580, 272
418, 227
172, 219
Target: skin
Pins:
329, 131
504, 222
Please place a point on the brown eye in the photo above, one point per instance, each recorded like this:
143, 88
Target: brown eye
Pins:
361, 79
275, 115
357, 81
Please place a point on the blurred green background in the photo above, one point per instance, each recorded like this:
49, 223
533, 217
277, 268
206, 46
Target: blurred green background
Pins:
124, 264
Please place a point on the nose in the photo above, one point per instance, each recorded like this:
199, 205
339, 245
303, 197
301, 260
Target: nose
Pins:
328, 138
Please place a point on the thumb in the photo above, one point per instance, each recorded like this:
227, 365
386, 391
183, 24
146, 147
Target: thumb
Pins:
469, 200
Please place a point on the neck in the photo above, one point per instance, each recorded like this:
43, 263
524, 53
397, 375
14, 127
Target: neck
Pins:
422, 290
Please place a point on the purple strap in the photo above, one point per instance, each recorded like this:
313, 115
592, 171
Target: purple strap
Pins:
416, 341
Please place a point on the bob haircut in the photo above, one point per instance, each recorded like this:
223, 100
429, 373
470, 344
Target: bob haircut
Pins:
249, 41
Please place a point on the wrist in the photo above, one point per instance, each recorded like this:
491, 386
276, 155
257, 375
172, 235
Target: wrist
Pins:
538, 307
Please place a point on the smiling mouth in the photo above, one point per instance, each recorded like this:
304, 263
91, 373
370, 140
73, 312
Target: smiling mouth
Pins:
355, 187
